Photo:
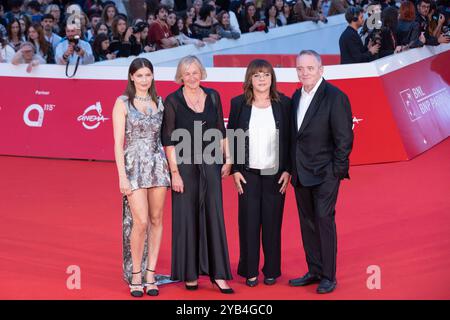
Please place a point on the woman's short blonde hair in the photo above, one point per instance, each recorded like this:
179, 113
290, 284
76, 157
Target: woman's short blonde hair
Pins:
184, 63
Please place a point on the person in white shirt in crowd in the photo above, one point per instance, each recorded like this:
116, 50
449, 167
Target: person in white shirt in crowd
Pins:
279, 5
47, 23
73, 48
15, 34
55, 11
6, 51
326, 7
27, 55
271, 19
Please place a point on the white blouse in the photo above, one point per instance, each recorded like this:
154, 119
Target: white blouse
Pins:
262, 138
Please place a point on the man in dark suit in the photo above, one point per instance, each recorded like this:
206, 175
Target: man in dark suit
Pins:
322, 139
350, 44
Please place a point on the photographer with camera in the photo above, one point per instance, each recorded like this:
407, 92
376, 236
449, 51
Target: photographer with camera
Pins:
351, 45
423, 9
125, 40
73, 48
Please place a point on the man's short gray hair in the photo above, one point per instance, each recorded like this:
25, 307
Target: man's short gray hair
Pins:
311, 53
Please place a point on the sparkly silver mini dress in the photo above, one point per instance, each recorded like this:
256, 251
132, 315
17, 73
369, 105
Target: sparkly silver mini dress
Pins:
145, 166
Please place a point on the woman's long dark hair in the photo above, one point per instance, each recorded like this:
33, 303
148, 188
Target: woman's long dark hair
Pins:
97, 45
389, 17
255, 66
9, 31
44, 46
130, 91
115, 32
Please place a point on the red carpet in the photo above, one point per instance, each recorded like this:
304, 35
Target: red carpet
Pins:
57, 213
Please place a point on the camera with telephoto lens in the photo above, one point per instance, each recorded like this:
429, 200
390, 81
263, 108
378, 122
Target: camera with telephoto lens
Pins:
75, 41
446, 31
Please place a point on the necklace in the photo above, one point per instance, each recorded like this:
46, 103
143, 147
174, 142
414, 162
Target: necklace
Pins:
195, 105
143, 99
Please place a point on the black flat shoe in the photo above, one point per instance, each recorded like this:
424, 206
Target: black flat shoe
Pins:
307, 279
222, 290
326, 286
251, 283
270, 281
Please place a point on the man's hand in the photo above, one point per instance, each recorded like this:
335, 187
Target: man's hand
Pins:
422, 37
70, 50
81, 52
443, 39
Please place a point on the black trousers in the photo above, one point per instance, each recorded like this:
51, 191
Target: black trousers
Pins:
316, 209
260, 209
199, 242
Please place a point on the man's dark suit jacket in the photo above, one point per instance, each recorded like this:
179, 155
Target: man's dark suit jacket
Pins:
322, 146
352, 48
239, 118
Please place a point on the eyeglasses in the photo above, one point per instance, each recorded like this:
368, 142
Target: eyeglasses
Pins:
261, 75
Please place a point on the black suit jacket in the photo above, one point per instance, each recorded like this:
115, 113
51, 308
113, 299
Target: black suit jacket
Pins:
322, 146
239, 118
352, 48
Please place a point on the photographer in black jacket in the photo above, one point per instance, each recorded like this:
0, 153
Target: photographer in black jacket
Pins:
351, 45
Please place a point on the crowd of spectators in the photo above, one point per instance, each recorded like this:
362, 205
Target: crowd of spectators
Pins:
392, 27
104, 30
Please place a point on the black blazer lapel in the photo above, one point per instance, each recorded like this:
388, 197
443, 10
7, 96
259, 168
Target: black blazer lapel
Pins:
276, 113
245, 115
313, 107
295, 103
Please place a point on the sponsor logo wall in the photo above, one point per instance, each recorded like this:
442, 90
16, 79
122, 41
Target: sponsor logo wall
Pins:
395, 116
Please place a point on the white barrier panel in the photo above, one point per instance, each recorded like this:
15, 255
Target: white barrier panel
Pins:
290, 39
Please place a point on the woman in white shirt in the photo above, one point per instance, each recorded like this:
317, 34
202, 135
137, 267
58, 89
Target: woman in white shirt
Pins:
6, 51
260, 170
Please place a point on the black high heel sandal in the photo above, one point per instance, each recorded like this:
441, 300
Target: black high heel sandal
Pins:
136, 289
191, 287
222, 290
151, 292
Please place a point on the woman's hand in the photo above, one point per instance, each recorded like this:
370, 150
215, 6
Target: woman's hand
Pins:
226, 169
177, 183
125, 186
238, 179
128, 34
284, 180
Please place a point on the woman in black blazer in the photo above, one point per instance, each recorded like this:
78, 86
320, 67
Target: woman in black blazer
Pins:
260, 169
